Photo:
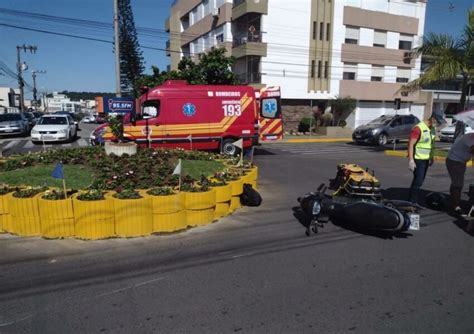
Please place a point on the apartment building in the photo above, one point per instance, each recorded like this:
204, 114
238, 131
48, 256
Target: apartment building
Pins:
315, 50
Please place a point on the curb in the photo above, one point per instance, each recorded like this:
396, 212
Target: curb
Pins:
403, 154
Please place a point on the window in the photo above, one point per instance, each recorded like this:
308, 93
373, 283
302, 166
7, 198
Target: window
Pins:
380, 38
326, 69
321, 31
377, 73
349, 72
312, 68
328, 31
396, 122
220, 38
315, 27
406, 42
352, 35
402, 80
319, 68
410, 120
403, 75
348, 76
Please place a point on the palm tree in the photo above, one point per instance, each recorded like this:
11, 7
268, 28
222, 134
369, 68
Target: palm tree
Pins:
447, 58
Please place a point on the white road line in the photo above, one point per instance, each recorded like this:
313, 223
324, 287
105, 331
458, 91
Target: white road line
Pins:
67, 145
82, 142
10, 145
29, 144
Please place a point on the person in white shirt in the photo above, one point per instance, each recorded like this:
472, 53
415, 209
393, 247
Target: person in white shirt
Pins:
459, 154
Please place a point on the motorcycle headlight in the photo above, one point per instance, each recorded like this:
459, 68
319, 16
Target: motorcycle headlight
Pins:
316, 208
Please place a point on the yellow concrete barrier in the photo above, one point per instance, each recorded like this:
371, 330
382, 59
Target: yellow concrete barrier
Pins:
169, 214
200, 207
235, 203
57, 218
199, 217
25, 215
94, 219
133, 217
200, 200
223, 197
222, 209
169, 222
5, 217
237, 187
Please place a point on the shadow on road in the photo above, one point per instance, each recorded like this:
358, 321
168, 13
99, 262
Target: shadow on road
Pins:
262, 151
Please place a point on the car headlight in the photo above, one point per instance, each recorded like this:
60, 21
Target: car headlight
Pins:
62, 131
34, 132
373, 132
316, 208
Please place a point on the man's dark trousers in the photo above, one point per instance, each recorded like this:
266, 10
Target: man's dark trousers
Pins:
418, 178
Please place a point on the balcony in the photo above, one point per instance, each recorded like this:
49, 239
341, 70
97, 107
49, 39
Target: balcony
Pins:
249, 78
249, 44
242, 7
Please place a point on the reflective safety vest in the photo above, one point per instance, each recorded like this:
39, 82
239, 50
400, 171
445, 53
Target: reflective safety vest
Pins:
425, 143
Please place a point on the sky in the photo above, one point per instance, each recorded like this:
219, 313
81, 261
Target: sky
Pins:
85, 65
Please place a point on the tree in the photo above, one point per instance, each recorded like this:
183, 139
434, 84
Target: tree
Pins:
213, 68
131, 57
447, 58
342, 106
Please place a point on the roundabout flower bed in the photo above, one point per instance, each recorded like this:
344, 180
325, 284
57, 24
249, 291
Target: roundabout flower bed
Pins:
124, 196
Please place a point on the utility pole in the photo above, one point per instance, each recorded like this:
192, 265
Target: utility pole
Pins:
20, 68
33, 74
117, 50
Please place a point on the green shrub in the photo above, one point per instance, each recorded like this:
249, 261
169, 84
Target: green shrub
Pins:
306, 124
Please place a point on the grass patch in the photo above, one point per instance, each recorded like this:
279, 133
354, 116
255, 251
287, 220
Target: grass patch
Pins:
77, 176
196, 168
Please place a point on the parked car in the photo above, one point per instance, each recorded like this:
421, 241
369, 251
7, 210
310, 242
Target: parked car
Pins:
54, 128
31, 119
384, 129
88, 119
14, 124
447, 134
37, 115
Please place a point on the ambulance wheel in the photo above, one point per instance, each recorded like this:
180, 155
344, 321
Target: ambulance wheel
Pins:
228, 147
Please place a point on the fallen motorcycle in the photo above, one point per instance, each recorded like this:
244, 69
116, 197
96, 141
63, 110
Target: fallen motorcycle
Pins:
357, 201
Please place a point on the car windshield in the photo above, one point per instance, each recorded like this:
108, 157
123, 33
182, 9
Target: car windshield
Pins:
53, 120
10, 117
382, 120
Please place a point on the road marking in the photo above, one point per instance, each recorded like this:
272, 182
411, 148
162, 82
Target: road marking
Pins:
83, 142
9, 145
29, 144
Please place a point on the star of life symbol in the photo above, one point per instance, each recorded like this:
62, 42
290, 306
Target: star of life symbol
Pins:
189, 109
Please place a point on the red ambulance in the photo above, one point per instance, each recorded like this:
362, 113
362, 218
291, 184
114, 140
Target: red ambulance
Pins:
202, 117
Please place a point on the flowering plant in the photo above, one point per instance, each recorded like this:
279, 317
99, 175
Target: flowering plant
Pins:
28, 192
57, 194
91, 195
127, 194
161, 191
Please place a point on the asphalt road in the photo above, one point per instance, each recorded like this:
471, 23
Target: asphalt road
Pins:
256, 271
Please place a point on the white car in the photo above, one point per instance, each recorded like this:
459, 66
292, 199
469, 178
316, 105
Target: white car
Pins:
88, 119
54, 127
447, 134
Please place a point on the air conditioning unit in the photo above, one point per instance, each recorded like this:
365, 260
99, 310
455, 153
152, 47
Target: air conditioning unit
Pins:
215, 12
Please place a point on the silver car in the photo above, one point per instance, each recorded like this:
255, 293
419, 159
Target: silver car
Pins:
384, 129
11, 124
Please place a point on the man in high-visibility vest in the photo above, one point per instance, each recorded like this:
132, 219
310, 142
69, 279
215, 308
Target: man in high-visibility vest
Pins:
421, 150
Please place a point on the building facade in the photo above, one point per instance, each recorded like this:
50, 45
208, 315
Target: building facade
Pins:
315, 50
